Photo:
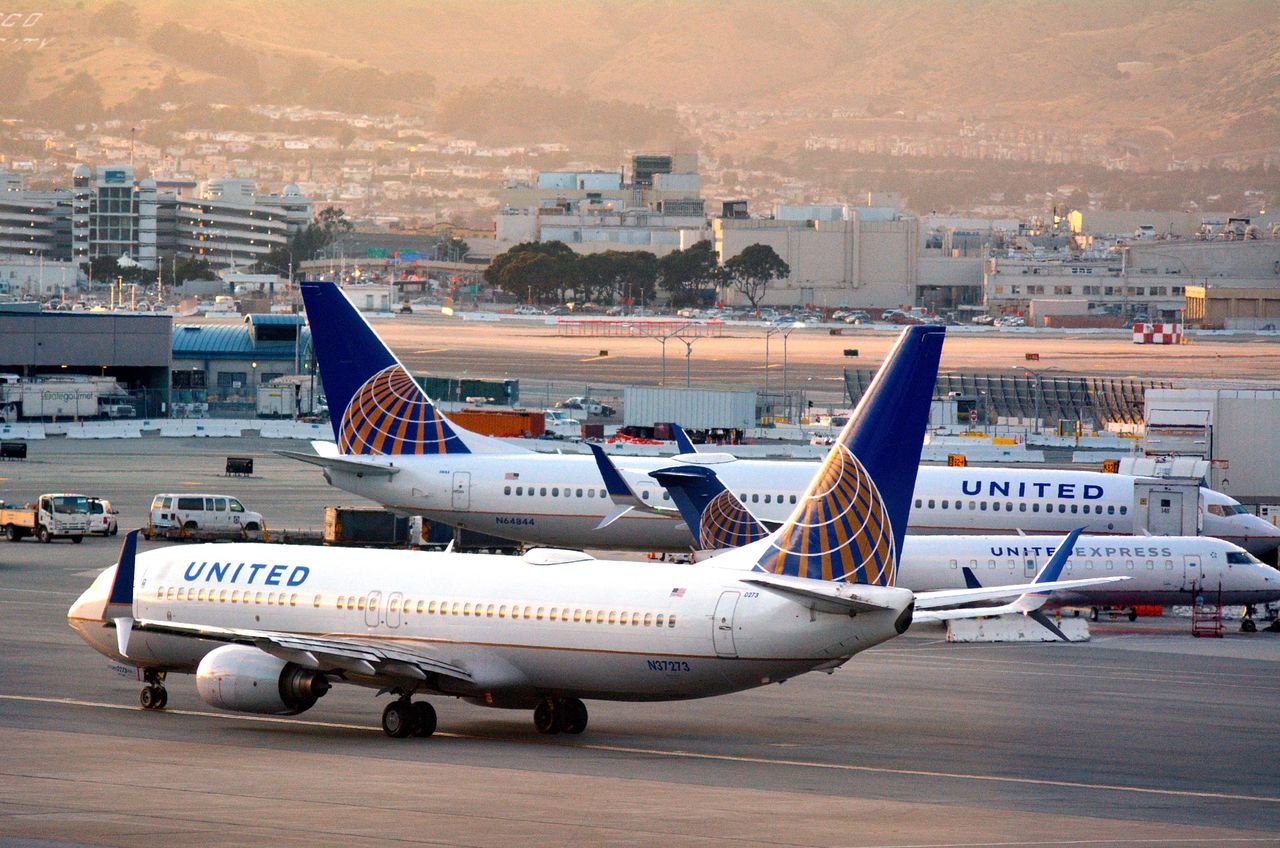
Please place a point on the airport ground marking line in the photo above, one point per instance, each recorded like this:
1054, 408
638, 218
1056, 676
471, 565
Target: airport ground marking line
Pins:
692, 755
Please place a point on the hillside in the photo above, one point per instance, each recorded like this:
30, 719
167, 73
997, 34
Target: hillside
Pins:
1210, 79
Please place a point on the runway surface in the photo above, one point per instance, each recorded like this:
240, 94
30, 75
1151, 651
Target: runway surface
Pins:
1144, 736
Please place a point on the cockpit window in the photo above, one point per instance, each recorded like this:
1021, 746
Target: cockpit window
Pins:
1228, 509
1241, 558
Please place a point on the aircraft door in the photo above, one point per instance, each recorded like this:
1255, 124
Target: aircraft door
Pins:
722, 625
462, 490
1192, 573
1164, 517
371, 611
393, 609
1029, 568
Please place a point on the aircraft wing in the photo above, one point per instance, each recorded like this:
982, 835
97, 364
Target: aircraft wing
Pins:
826, 596
367, 657
347, 464
955, 597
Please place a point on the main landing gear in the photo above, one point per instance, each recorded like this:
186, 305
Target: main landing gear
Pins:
404, 717
560, 715
153, 696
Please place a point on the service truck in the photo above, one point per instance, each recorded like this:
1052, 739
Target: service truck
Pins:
52, 516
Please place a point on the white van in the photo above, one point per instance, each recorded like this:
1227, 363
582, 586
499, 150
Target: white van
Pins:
188, 511
102, 518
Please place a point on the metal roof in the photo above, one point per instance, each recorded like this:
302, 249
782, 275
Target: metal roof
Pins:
191, 341
282, 319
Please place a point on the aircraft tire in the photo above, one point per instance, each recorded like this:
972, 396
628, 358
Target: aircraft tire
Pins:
574, 714
546, 718
424, 718
153, 697
397, 720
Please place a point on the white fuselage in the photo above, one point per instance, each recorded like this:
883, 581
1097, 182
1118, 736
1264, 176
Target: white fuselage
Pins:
576, 626
1162, 570
553, 499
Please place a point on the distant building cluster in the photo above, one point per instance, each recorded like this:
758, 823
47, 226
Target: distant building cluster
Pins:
107, 212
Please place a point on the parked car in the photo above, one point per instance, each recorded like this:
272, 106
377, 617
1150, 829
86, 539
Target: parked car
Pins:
102, 518
527, 309
905, 319
174, 512
857, 316
588, 405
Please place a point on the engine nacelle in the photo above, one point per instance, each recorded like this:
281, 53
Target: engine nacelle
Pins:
247, 680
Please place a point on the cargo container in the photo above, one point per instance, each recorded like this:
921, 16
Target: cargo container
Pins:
513, 423
693, 409
366, 526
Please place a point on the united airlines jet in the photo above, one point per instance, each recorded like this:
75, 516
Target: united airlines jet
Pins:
271, 628
394, 447
1161, 570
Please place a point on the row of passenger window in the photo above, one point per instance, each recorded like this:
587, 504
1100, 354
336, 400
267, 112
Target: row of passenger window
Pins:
554, 491
476, 610
1007, 506
1087, 565
513, 611
229, 596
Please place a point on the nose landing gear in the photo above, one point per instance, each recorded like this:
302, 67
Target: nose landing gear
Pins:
153, 696
560, 715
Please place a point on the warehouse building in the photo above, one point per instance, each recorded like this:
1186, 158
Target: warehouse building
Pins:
134, 349
219, 367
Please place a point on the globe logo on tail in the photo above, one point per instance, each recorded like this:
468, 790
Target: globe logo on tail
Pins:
841, 529
390, 414
727, 524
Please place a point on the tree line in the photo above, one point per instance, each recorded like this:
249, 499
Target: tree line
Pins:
544, 272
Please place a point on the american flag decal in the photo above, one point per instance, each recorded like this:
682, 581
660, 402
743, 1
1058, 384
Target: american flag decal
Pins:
677, 593
512, 475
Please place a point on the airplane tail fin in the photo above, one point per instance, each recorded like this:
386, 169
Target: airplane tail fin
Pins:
375, 405
850, 523
717, 519
684, 444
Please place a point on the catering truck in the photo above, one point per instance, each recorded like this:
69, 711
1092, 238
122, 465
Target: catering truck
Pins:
52, 516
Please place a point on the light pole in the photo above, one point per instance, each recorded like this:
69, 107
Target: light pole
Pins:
1038, 373
785, 332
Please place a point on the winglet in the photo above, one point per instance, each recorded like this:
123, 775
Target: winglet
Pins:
1052, 570
970, 579
682, 440
620, 492
121, 597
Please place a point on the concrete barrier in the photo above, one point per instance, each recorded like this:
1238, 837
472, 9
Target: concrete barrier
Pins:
104, 430
294, 430
27, 432
202, 428
1013, 628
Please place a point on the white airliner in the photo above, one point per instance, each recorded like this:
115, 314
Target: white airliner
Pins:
1161, 570
394, 447
270, 628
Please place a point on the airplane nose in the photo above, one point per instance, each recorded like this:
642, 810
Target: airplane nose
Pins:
93, 601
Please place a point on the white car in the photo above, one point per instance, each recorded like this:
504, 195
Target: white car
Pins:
102, 518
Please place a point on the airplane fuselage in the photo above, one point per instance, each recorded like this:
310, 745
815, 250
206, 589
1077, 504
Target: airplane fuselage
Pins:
524, 630
554, 499
1162, 570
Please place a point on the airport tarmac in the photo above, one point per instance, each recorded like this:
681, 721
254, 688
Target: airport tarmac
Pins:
1144, 736
815, 358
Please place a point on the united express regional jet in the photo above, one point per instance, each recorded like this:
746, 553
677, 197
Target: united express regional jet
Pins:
394, 447
270, 628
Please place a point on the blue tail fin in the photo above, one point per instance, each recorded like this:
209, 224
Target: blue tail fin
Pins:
717, 519
684, 444
1052, 570
375, 406
850, 523
122, 587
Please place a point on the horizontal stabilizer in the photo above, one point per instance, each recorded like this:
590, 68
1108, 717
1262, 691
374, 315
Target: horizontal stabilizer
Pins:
346, 465
823, 595
952, 597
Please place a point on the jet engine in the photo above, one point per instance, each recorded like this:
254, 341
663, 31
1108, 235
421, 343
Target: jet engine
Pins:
247, 680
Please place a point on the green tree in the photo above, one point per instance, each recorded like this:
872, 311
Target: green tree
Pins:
456, 249
562, 264
192, 268
686, 274
751, 271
